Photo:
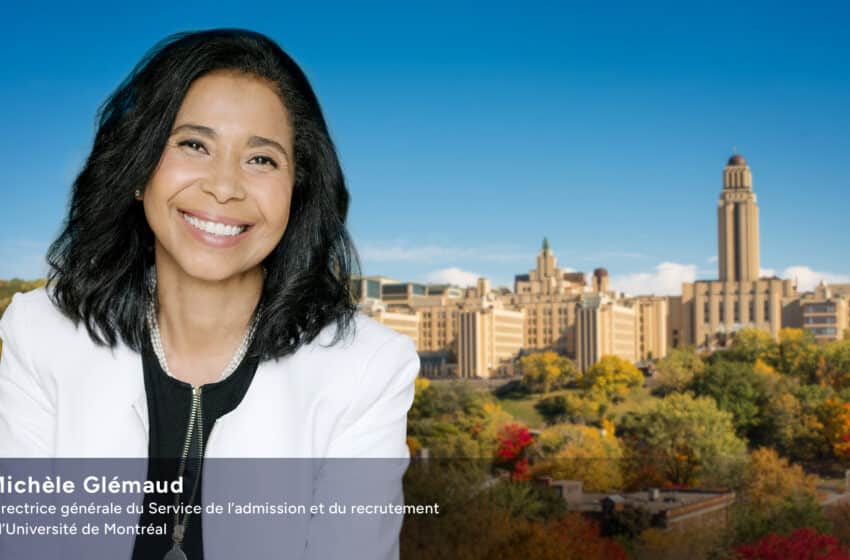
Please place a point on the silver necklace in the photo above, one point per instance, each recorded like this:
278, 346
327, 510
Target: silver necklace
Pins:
156, 342
156, 339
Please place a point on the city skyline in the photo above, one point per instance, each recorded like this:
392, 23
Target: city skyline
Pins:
499, 128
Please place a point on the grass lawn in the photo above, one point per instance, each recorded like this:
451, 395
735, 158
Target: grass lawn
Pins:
637, 400
522, 408
524, 411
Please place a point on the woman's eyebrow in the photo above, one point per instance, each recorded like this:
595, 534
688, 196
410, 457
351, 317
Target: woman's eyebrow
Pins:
253, 141
203, 130
258, 141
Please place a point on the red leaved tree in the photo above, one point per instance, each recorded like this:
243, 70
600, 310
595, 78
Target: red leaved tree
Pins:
802, 544
514, 439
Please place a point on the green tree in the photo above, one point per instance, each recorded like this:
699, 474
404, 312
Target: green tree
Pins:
611, 377
834, 364
751, 523
572, 408
793, 427
737, 388
685, 439
751, 344
677, 369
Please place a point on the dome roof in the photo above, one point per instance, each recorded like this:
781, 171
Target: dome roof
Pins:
737, 159
600, 272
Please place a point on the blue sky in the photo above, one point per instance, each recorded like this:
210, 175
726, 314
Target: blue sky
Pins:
469, 131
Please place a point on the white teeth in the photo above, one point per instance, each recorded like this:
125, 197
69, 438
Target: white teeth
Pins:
214, 227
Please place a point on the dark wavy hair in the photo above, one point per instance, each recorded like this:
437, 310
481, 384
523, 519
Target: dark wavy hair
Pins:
98, 263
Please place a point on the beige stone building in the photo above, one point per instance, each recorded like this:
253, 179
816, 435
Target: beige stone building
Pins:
825, 312
484, 331
489, 340
709, 312
547, 278
549, 296
369, 288
738, 224
714, 310
604, 327
438, 322
651, 332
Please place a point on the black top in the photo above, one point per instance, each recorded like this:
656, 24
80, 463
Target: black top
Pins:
169, 408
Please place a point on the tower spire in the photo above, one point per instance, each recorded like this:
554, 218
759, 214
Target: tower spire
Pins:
545, 244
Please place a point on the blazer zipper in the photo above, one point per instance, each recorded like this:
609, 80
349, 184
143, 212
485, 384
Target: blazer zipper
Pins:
196, 423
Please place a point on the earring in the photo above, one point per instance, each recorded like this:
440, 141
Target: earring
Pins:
138, 194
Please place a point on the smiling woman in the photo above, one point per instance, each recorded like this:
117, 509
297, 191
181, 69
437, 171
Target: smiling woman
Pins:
198, 304
218, 204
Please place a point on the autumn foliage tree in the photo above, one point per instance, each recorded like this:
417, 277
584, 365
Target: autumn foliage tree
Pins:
514, 438
574, 452
775, 496
836, 419
796, 353
770, 479
611, 377
455, 420
544, 371
751, 344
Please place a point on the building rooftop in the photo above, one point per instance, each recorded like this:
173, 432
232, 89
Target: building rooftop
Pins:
665, 505
737, 159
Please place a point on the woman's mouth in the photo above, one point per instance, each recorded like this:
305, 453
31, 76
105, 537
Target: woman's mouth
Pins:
214, 228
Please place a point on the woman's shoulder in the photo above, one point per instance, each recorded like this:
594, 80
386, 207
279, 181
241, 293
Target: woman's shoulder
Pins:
365, 337
32, 323
35, 309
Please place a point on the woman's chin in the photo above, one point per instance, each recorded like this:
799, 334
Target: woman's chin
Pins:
215, 271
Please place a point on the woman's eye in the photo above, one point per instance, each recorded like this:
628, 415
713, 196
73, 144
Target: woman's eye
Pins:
268, 160
191, 144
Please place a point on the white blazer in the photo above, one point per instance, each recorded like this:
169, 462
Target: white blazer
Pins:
63, 396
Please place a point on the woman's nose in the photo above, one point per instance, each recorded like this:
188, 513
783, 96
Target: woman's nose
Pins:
224, 181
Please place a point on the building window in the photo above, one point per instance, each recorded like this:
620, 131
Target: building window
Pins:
721, 312
737, 312
821, 320
767, 310
819, 308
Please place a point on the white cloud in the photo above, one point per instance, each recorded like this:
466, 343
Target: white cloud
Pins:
712, 259
767, 272
454, 276
666, 279
807, 278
